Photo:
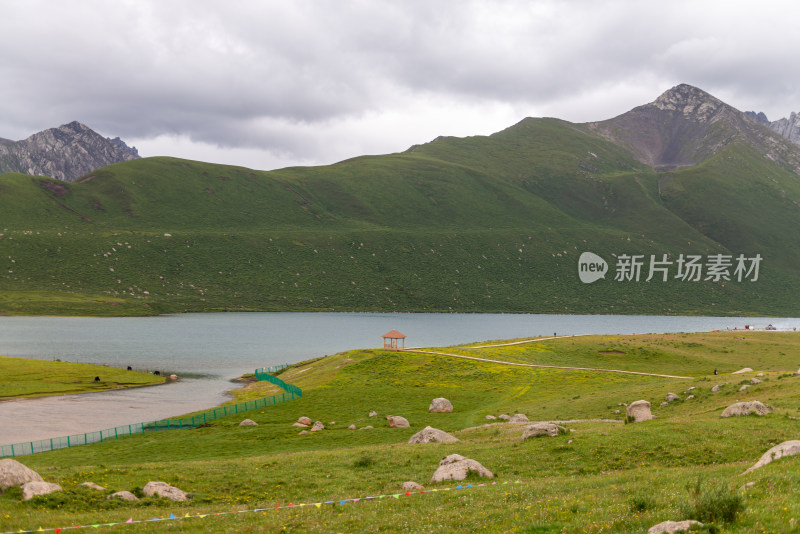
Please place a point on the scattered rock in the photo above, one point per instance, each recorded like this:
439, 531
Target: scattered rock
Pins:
303, 433
457, 467
248, 422
440, 405
396, 421
717, 387
368, 427
432, 435
332, 423
411, 486
373, 414
672, 397
617, 411
798, 372
351, 427
300, 425
38, 487
787, 448
569, 442
746, 408
638, 411
304, 420
317, 426
92, 485
490, 418
747, 485
124, 495
664, 403
13, 473
542, 429
740, 371
755, 381
690, 397
744, 387
504, 417
760, 374
519, 418
691, 388
162, 489
669, 527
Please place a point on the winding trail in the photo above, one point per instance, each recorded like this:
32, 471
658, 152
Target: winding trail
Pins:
596, 369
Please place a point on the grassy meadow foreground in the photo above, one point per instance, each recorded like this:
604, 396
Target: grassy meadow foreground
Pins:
601, 476
23, 377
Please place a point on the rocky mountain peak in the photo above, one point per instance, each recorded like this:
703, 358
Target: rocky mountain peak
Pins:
66, 153
689, 101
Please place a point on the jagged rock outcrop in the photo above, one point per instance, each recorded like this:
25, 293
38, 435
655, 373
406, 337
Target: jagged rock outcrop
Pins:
66, 153
789, 128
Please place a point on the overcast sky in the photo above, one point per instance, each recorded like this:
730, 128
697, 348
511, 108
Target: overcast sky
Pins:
269, 84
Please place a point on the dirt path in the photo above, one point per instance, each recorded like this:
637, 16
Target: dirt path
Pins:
597, 369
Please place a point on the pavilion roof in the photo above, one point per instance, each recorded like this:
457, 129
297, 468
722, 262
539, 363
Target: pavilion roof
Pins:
394, 334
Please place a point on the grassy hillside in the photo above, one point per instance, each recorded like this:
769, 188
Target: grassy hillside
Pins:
601, 476
477, 224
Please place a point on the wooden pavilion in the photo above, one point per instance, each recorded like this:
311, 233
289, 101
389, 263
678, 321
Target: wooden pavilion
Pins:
393, 340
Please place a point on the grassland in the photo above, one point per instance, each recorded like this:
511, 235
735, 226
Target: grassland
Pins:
599, 477
482, 224
22, 377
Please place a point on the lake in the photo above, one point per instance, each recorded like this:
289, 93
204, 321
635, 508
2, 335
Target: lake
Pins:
207, 351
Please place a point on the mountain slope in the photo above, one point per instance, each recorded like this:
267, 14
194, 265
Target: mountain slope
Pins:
66, 153
494, 223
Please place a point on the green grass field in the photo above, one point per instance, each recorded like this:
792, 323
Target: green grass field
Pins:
599, 477
22, 377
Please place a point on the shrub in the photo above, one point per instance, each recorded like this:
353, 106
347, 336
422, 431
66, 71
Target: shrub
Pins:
708, 504
642, 502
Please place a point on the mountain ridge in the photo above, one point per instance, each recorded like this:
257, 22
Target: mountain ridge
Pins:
486, 223
65, 153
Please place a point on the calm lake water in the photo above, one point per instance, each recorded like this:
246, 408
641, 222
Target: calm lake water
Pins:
209, 350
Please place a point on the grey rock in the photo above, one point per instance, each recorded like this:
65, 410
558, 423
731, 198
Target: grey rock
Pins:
638, 412
744, 387
490, 418
519, 418
368, 427
755, 381
65, 153
164, 490
432, 435
760, 374
411, 486
457, 467
248, 422
351, 427
787, 448
664, 403
672, 397
717, 387
396, 421
299, 425
746, 408
690, 397
303, 433
124, 495
668, 527
440, 405
373, 414
317, 426
92, 485
305, 420
13, 473
740, 371
504, 417
38, 487
542, 429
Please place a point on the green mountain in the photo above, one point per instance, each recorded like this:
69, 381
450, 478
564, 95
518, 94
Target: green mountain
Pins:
493, 223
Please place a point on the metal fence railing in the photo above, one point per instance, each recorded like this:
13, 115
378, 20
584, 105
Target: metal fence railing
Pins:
51, 444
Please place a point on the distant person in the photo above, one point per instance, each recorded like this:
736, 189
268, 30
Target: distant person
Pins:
130, 368
715, 372
97, 379
157, 373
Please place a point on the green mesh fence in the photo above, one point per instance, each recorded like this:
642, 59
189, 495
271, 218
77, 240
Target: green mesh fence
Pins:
51, 444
